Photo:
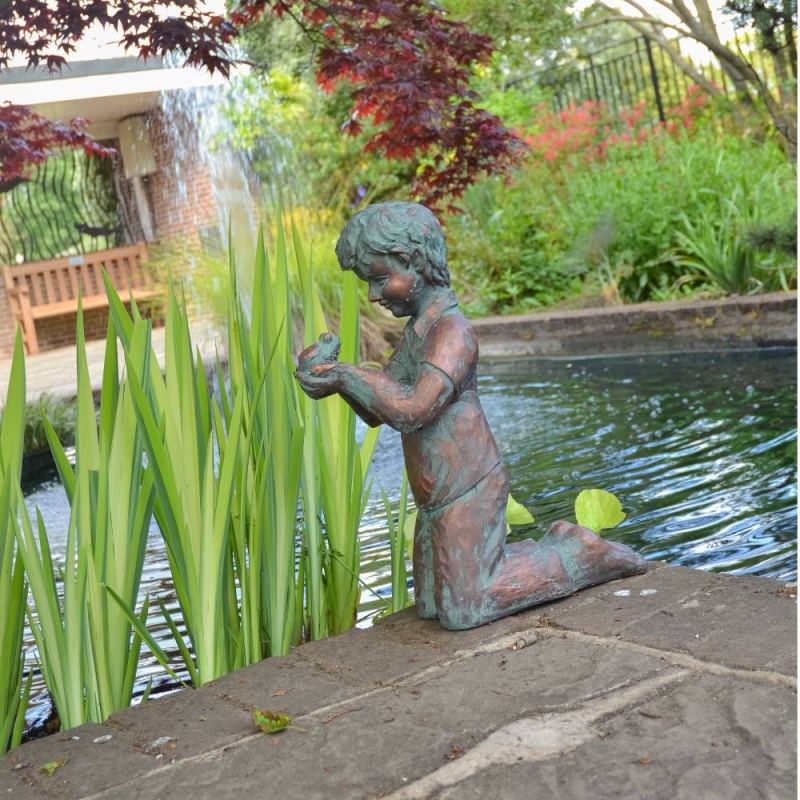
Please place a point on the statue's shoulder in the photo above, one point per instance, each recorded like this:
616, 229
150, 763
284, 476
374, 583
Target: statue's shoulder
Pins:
452, 342
454, 322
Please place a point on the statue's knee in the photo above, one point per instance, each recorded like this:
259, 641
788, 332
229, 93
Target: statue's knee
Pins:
456, 622
459, 616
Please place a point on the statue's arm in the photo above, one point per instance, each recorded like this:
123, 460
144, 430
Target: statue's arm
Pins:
384, 399
378, 398
362, 412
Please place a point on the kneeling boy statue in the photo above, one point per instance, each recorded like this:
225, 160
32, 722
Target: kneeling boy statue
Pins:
464, 573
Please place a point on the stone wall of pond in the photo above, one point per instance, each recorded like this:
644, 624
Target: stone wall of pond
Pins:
736, 323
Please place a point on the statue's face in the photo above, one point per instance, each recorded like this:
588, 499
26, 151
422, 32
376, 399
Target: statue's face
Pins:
396, 288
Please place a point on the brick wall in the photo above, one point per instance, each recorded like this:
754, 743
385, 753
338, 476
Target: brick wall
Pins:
8, 328
181, 192
60, 331
184, 213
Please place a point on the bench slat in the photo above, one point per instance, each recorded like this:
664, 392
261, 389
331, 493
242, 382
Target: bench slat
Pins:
62, 284
89, 302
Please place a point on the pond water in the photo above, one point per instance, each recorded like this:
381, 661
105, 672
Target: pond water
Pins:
700, 448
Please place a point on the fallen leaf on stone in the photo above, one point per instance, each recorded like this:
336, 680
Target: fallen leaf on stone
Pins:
270, 722
52, 766
456, 751
279, 693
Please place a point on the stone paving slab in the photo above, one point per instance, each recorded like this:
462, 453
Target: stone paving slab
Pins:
669, 748
599, 695
734, 621
55, 372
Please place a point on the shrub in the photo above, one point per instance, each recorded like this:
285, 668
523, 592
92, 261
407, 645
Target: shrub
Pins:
602, 200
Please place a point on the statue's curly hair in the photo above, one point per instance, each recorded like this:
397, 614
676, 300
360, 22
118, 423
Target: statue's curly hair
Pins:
389, 229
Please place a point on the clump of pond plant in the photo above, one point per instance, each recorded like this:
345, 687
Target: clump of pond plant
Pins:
224, 479
229, 477
13, 587
85, 644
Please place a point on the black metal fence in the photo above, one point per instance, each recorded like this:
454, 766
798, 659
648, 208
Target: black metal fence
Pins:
638, 71
68, 206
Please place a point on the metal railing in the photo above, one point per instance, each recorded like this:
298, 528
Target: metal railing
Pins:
69, 205
638, 71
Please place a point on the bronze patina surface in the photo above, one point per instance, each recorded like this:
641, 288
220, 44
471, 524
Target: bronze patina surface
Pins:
464, 572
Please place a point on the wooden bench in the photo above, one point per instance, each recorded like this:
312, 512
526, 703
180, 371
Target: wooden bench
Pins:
43, 289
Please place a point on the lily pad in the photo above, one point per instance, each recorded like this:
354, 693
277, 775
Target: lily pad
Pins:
271, 722
517, 514
598, 510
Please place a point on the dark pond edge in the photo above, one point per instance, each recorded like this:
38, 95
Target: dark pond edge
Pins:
734, 323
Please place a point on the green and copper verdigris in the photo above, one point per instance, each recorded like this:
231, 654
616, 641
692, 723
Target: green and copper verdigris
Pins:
465, 574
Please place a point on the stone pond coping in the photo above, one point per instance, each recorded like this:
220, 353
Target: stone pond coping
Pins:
735, 323
674, 685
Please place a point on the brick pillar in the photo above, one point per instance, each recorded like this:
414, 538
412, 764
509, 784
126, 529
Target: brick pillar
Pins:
8, 326
181, 192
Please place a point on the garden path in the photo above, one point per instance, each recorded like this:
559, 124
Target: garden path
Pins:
54, 371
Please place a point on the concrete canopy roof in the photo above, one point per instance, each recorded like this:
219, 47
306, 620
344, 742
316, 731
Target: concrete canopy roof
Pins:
104, 91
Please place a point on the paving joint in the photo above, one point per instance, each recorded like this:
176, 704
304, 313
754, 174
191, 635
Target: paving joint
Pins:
677, 659
538, 738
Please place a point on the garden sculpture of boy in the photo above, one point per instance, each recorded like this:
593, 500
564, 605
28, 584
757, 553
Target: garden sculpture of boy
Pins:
464, 573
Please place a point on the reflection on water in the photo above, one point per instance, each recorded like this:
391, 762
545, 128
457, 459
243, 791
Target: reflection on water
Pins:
700, 448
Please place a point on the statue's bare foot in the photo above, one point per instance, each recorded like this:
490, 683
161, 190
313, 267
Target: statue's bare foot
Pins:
589, 559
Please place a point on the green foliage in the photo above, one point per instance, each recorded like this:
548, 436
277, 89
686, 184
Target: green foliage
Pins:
13, 587
267, 486
780, 237
563, 226
181, 435
598, 510
625, 213
291, 131
504, 249
517, 514
223, 480
228, 476
714, 244
335, 469
84, 639
398, 535
61, 415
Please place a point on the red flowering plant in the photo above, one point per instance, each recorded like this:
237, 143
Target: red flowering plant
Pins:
590, 131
